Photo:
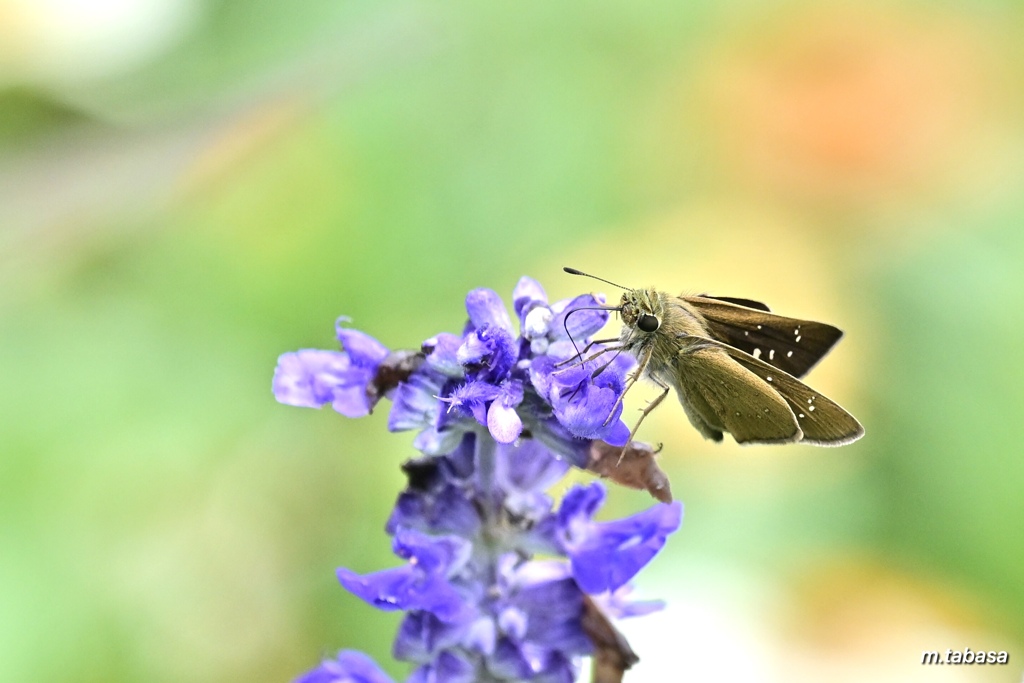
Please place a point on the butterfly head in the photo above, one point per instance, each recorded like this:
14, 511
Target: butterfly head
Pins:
642, 309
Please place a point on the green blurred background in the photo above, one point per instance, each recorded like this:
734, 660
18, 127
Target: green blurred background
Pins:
189, 188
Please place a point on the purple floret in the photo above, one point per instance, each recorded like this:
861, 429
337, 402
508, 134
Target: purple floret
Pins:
348, 667
311, 378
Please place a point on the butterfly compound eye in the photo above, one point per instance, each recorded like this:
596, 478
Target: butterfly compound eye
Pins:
647, 323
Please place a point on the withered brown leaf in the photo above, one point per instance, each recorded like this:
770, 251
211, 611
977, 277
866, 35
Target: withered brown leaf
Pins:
635, 467
612, 654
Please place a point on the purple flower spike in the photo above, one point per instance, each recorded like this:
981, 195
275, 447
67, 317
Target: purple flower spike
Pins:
501, 413
348, 667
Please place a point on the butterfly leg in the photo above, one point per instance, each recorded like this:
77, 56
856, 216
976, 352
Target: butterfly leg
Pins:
578, 358
650, 407
636, 375
617, 349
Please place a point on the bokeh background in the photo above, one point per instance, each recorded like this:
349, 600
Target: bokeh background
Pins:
189, 188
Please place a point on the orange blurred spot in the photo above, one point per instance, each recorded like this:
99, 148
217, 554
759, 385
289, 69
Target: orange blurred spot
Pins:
844, 101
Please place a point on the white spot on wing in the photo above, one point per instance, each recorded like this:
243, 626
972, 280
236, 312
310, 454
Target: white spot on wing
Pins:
789, 354
798, 337
758, 327
757, 353
802, 415
769, 378
811, 409
771, 354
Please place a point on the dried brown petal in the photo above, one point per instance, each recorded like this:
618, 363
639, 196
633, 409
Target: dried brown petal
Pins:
635, 467
612, 654
392, 371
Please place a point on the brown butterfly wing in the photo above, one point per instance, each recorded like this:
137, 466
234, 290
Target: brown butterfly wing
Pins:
728, 397
822, 421
749, 303
790, 344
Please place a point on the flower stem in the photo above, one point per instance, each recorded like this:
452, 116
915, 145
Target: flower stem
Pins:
486, 457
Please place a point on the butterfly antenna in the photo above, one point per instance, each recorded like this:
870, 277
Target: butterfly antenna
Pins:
573, 271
